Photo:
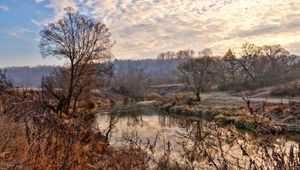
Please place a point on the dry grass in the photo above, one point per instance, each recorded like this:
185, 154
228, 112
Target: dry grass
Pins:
33, 137
178, 98
13, 147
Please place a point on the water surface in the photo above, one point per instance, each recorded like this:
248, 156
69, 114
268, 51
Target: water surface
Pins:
194, 142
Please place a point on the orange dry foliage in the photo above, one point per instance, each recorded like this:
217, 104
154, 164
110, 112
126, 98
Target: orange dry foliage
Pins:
33, 137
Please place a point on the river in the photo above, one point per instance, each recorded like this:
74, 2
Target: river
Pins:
193, 142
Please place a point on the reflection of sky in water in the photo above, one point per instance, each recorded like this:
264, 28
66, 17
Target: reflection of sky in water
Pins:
144, 127
196, 136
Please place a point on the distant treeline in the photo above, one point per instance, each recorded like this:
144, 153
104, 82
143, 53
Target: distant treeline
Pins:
28, 76
255, 67
158, 71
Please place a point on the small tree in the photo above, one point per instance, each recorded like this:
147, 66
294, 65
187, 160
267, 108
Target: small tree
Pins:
198, 74
84, 42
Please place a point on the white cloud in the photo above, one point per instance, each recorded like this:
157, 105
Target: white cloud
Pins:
145, 28
38, 1
3, 8
59, 6
35, 22
18, 32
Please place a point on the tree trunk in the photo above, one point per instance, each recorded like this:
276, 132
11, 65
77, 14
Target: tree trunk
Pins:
70, 91
198, 97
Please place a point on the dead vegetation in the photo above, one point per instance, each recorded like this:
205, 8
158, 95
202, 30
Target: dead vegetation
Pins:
35, 137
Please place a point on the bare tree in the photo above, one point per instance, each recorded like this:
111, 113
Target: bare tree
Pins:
279, 58
259, 66
206, 52
83, 42
250, 53
185, 54
275, 52
166, 55
198, 74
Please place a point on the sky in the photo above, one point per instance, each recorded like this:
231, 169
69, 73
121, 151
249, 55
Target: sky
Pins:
145, 28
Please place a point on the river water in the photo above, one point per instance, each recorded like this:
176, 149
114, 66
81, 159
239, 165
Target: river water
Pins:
193, 142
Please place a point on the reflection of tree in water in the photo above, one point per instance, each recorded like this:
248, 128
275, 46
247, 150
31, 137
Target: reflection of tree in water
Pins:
205, 145
167, 121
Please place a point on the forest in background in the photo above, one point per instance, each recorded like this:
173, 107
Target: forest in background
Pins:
257, 69
30, 77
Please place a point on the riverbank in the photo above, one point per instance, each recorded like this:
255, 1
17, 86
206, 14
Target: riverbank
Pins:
271, 116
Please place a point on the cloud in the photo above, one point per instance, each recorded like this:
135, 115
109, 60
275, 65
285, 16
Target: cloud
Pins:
142, 29
35, 22
39, 1
285, 24
271, 29
294, 47
3, 8
18, 32
59, 7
